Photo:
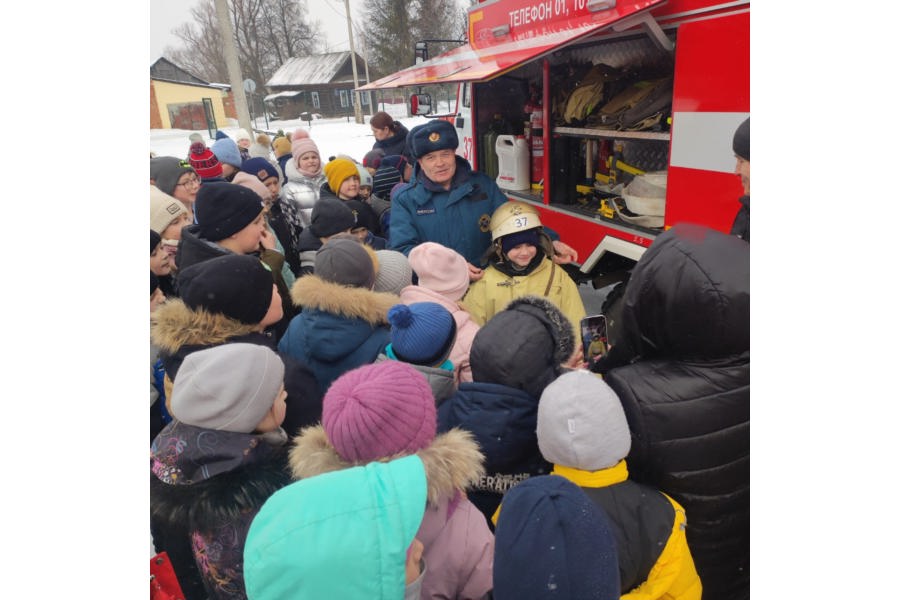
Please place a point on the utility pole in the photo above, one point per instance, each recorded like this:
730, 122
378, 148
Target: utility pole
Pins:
365, 46
234, 66
357, 108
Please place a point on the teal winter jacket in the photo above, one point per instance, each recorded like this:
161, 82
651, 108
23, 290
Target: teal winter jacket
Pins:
338, 535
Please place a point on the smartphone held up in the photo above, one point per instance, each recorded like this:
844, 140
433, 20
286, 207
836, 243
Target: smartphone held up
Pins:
594, 337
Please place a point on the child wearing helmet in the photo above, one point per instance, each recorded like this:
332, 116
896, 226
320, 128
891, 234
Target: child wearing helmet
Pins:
520, 264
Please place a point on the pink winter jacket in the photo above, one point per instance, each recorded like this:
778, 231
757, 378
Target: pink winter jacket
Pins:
466, 328
459, 546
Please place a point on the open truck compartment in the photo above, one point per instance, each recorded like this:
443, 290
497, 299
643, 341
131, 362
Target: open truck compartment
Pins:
577, 149
522, 60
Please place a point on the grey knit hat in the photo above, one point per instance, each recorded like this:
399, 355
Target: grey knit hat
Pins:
229, 387
345, 262
581, 423
394, 272
165, 171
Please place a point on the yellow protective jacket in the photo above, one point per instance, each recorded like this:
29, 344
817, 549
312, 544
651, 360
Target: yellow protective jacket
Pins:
490, 294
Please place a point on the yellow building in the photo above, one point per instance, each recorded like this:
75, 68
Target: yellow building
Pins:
179, 100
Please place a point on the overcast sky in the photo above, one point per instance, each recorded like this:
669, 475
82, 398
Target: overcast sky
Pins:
166, 15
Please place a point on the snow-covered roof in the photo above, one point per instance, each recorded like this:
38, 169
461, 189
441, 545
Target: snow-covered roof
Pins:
309, 70
288, 94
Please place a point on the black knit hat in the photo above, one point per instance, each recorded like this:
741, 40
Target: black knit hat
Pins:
543, 339
223, 209
741, 142
155, 241
331, 216
235, 285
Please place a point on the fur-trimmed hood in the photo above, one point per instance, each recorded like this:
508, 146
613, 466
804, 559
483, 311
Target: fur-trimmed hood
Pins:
174, 325
313, 292
452, 462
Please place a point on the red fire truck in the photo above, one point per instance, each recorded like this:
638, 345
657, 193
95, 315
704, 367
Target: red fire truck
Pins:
520, 56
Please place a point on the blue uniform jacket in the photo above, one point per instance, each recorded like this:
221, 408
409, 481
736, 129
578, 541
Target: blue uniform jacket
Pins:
458, 218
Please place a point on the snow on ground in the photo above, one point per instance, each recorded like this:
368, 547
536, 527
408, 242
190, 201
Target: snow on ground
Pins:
332, 136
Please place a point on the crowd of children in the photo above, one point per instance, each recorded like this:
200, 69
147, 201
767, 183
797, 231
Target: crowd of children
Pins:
334, 415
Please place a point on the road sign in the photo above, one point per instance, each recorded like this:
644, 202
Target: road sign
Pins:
249, 86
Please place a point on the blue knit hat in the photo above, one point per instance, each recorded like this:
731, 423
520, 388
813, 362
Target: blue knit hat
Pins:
261, 168
529, 236
422, 333
552, 541
221, 135
226, 150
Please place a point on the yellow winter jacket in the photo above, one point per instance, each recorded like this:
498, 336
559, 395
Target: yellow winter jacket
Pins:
490, 294
673, 576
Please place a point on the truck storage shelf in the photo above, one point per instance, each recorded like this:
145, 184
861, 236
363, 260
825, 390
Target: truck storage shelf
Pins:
589, 208
662, 136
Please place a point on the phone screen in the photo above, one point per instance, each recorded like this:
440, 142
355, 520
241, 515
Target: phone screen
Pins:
593, 337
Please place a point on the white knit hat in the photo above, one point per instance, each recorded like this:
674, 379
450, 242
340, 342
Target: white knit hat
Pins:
163, 209
581, 423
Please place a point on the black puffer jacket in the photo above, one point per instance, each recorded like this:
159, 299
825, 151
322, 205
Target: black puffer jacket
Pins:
741, 225
686, 395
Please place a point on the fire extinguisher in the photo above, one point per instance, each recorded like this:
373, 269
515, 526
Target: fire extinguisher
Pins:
537, 147
603, 158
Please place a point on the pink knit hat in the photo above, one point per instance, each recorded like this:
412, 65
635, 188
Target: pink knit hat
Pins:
252, 181
379, 410
302, 143
440, 269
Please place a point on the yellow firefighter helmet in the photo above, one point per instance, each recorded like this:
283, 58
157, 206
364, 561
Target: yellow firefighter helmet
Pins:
512, 217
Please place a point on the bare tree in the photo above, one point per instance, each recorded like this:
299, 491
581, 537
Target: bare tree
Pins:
267, 32
201, 52
394, 26
388, 34
437, 20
